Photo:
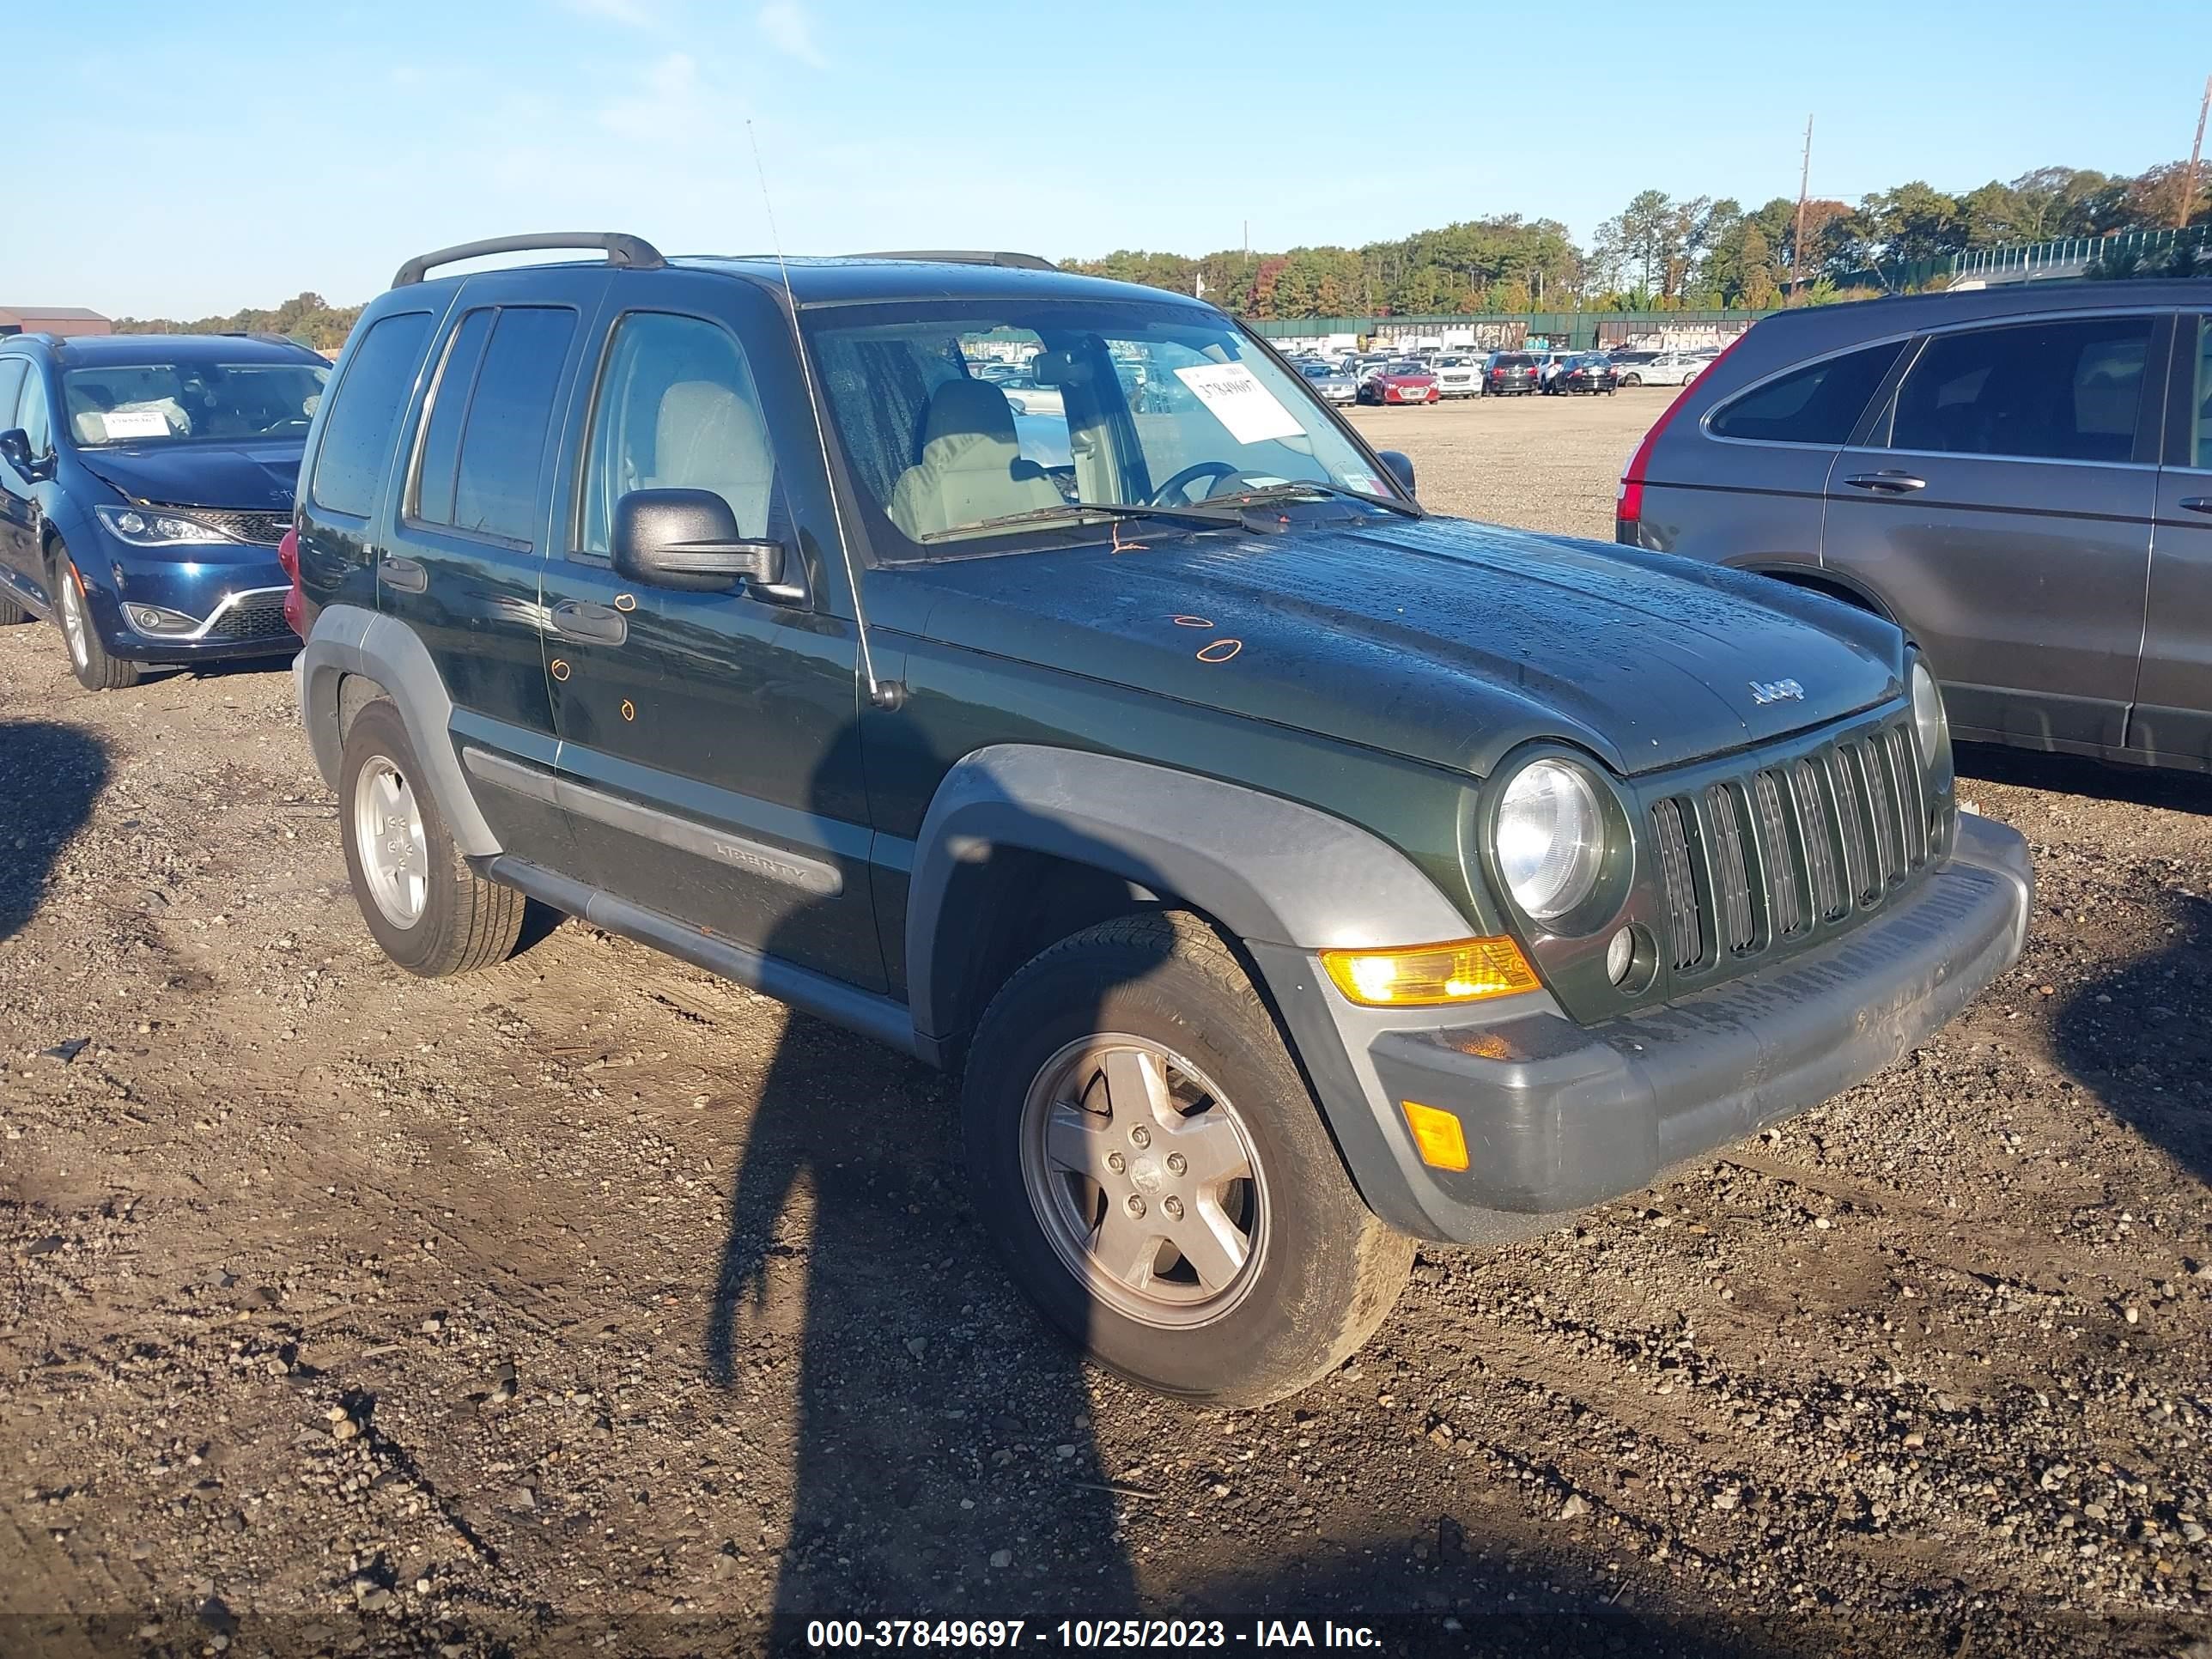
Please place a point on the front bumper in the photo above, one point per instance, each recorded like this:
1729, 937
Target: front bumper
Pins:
235, 593
1559, 1116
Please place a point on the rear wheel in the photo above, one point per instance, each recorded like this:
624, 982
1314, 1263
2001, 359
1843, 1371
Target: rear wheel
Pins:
1155, 1173
431, 913
96, 670
1631, 379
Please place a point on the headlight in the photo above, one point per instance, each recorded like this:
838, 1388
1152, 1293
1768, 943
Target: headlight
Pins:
1929, 720
1551, 838
150, 526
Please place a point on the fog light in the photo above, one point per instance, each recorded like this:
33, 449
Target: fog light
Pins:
1428, 975
1437, 1136
1621, 954
154, 619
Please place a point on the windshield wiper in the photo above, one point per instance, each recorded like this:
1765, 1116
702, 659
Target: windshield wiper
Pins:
1206, 515
1314, 487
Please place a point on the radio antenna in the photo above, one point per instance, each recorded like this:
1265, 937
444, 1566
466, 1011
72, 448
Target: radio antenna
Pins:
884, 693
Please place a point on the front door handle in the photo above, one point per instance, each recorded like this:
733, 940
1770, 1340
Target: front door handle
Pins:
408, 575
1888, 483
598, 624
2198, 503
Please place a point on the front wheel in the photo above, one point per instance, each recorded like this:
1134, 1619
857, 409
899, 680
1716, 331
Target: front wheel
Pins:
1154, 1170
96, 670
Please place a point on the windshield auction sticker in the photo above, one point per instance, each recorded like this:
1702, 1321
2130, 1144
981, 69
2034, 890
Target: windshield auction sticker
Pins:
134, 423
1239, 401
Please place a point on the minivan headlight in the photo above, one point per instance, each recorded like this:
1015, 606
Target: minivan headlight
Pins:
1929, 720
150, 527
1550, 838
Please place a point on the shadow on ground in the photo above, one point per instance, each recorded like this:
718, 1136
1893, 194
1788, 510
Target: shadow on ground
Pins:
2069, 774
50, 775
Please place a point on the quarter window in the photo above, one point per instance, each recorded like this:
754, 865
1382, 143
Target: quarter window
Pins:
2057, 391
677, 409
1819, 404
441, 462
357, 437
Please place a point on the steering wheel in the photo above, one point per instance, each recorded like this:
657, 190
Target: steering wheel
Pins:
1176, 492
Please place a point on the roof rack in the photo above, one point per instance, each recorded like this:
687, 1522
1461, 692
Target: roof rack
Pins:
634, 252
966, 257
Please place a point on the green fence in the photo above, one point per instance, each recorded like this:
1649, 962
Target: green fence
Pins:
1576, 329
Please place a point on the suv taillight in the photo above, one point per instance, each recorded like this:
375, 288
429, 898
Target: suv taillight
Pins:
1628, 506
287, 554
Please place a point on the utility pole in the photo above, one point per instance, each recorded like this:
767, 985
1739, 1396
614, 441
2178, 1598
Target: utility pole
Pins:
2195, 154
1797, 237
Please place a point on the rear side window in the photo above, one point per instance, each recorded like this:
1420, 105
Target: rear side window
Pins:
487, 431
1819, 404
2058, 391
2201, 400
357, 437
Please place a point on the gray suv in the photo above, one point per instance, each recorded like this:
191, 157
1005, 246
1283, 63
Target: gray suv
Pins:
2019, 477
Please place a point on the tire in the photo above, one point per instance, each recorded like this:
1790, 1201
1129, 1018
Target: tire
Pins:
1631, 379
1317, 1272
94, 669
11, 613
426, 907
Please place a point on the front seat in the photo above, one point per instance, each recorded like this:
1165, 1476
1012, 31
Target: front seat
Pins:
971, 465
707, 437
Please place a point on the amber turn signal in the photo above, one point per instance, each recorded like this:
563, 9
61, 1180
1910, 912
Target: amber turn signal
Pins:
1441, 1142
1431, 974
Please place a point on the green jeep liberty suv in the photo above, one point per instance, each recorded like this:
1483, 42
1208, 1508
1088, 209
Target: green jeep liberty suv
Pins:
1031, 672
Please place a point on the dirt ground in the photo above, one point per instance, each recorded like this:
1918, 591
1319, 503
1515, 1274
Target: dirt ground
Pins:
592, 1305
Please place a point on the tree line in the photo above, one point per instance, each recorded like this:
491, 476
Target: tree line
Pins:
1660, 252
308, 319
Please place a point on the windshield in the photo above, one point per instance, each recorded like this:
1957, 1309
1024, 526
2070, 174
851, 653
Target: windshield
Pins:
1157, 405
180, 402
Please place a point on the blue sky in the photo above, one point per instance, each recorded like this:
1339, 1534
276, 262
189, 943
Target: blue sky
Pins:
182, 160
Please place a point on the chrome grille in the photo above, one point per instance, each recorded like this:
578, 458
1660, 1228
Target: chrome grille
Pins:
1686, 935
262, 528
1731, 870
1774, 856
1785, 899
260, 616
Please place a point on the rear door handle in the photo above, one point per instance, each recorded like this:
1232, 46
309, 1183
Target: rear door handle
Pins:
599, 624
1889, 484
2198, 503
408, 575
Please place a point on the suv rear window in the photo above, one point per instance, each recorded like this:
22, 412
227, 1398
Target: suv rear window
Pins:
2058, 391
357, 437
487, 431
1819, 404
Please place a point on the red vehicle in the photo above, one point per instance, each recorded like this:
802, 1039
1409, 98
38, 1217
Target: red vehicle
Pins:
1400, 383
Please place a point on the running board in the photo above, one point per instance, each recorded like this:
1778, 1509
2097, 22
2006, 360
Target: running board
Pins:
867, 1012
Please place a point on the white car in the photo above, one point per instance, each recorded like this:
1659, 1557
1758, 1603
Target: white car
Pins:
1659, 368
1459, 374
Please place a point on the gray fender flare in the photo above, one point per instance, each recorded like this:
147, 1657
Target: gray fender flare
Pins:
347, 639
1269, 870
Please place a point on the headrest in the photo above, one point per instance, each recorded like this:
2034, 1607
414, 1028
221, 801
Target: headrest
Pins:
966, 407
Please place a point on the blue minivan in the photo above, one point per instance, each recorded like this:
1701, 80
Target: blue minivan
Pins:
145, 482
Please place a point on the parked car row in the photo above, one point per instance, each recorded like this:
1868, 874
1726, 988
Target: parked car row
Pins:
1432, 377
728, 604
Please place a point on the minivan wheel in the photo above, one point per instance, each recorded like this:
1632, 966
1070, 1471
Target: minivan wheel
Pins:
96, 670
428, 910
1155, 1172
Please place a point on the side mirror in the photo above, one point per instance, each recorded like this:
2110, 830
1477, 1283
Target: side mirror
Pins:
1400, 466
16, 450
687, 539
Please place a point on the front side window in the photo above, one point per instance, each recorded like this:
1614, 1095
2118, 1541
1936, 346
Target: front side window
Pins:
2057, 391
156, 403
34, 414
11, 389
1819, 404
489, 418
676, 410
970, 414
356, 442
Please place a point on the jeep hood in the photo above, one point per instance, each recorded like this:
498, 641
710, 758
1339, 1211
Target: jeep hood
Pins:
249, 477
1438, 639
